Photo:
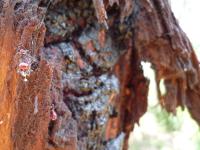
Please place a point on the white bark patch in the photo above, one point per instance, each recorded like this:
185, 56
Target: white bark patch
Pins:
35, 105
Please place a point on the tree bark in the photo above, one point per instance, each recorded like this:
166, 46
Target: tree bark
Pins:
85, 66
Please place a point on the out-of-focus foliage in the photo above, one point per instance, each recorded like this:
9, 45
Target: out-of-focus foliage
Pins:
161, 131
167, 122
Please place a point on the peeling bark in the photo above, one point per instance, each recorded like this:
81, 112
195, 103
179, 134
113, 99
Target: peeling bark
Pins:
91, 75
21, 129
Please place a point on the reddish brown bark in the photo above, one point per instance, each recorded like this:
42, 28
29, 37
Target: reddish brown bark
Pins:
77, 71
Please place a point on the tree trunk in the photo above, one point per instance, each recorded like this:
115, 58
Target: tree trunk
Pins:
82, 60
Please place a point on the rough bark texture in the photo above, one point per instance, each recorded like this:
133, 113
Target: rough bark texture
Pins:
85, 60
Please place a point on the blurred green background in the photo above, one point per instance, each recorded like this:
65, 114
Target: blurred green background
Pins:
159, 130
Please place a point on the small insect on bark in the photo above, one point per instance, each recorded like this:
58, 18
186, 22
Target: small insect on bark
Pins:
24, 61
53, 114
24, 69
23, 51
